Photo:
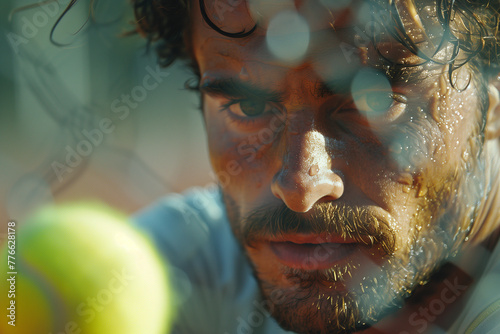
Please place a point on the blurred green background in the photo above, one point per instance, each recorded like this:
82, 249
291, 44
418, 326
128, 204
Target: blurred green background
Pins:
55, 100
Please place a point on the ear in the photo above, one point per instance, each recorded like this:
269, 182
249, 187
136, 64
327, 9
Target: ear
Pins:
492, 129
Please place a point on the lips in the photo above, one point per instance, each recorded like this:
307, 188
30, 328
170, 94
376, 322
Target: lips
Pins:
313, 252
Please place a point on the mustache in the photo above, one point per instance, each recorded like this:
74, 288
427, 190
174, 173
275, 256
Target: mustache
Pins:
353, 222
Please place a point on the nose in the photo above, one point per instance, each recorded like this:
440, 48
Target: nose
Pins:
306, 176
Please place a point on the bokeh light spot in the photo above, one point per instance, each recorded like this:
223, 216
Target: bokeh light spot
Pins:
288, 36
371, 91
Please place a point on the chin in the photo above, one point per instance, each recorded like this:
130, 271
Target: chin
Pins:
310, 302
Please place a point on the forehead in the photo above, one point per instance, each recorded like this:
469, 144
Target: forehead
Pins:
295, 33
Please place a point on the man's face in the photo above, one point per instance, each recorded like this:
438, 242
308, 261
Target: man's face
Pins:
344, 179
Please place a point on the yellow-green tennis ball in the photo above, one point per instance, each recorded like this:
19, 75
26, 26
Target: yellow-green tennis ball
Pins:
83, 269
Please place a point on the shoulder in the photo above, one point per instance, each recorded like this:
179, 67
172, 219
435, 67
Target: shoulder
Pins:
183, 208
183, 224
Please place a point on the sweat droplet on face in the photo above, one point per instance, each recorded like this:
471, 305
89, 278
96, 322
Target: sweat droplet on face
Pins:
313, 170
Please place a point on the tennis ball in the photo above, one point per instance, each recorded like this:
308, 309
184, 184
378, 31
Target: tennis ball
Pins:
82, 268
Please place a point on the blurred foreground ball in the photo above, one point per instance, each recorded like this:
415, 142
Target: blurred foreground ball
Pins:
82, 268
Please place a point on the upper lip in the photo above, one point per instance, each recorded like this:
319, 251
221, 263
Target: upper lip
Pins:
301, 238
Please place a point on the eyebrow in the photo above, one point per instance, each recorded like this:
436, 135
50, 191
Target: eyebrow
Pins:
406, 74
239, 89
399, 74
236, 88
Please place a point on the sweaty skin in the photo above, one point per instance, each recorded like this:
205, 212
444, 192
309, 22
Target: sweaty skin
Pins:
343, 208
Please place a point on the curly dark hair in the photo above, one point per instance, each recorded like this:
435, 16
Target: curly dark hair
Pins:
471, 27
165, 22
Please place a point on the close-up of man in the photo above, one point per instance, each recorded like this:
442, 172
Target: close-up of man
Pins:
356, 146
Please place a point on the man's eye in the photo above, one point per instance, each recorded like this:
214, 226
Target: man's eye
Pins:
374, 102
380, 104
248, 108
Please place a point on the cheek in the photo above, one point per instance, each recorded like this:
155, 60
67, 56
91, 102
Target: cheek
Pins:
426, 151
222, 144
434, 151
457, 114
397, 171
241, 161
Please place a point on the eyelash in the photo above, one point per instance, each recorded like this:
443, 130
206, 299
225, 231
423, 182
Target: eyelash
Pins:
230, 103
397, 99
246, 121
234, 118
